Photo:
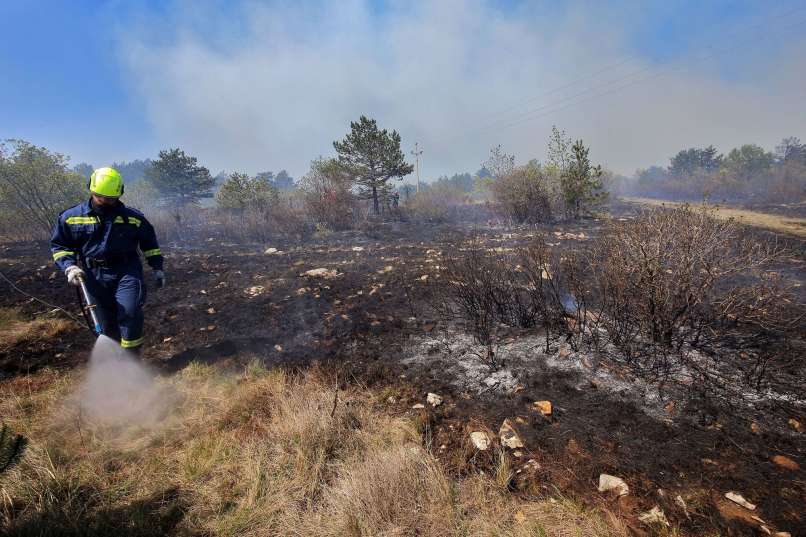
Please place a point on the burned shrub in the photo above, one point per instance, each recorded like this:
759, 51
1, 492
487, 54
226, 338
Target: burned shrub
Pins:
690, 303
486, 287
188, 226
680, 277
12, 447
545, 272
478, 286
281, 221
435, 205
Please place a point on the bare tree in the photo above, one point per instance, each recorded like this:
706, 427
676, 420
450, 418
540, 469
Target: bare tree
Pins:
499, 164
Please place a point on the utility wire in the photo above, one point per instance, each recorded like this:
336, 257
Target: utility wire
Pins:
610, 67
564, 103
3, 276
548, 109
649, 68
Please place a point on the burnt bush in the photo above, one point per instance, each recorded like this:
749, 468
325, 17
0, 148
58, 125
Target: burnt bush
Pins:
436, 205
200, 225
280, 221
488, 287
12, 446
675, 277
681, 298
695, 301
562, 291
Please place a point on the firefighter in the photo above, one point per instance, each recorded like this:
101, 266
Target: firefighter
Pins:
98, 241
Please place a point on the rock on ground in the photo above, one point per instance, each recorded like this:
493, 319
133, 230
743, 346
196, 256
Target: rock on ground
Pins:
785, 462
544, 407
654, 516
480, 440
255, 290
509, 436
735, 497
321, 273
433, 399
610, 482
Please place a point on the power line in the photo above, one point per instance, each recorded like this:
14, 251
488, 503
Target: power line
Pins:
609, 67
553, 108
550, 108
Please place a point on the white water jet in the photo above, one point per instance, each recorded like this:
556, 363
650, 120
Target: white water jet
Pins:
119, 390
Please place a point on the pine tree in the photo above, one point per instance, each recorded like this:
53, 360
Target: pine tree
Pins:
179, 180
283, 181
581, 183
373, 157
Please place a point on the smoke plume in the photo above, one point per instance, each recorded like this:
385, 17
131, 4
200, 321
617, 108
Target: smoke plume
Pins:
269, 85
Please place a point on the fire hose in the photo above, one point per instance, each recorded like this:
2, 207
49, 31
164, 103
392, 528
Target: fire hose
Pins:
85, 303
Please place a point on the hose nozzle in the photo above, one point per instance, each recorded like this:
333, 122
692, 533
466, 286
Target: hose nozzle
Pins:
90, 306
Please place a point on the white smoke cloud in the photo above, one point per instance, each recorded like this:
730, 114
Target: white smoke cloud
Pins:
270, 86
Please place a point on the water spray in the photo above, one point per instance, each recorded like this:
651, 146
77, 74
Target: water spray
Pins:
117, 389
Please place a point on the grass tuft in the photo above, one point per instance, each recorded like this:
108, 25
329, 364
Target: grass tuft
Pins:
16, 329
263, 452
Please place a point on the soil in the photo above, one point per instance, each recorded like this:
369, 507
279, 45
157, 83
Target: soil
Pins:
370, 322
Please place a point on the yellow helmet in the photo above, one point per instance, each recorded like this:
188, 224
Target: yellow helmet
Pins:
106, 182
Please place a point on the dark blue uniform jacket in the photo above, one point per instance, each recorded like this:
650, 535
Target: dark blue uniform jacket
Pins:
82, 233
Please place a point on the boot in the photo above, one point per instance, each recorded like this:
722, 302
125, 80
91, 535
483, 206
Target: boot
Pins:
135, 353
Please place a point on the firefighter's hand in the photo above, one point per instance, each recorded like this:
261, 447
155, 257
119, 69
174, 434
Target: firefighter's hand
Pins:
159, 278
74, 274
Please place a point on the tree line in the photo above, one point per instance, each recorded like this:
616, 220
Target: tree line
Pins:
745, 173
361, 173
42, 183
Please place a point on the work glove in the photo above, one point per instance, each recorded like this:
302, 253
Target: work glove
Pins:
159, 278
74, 273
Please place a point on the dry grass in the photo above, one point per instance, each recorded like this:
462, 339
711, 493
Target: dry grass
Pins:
775, 222
14, 329
259, 453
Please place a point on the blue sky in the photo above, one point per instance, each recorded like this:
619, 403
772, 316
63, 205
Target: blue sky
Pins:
105, 81
62, 79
